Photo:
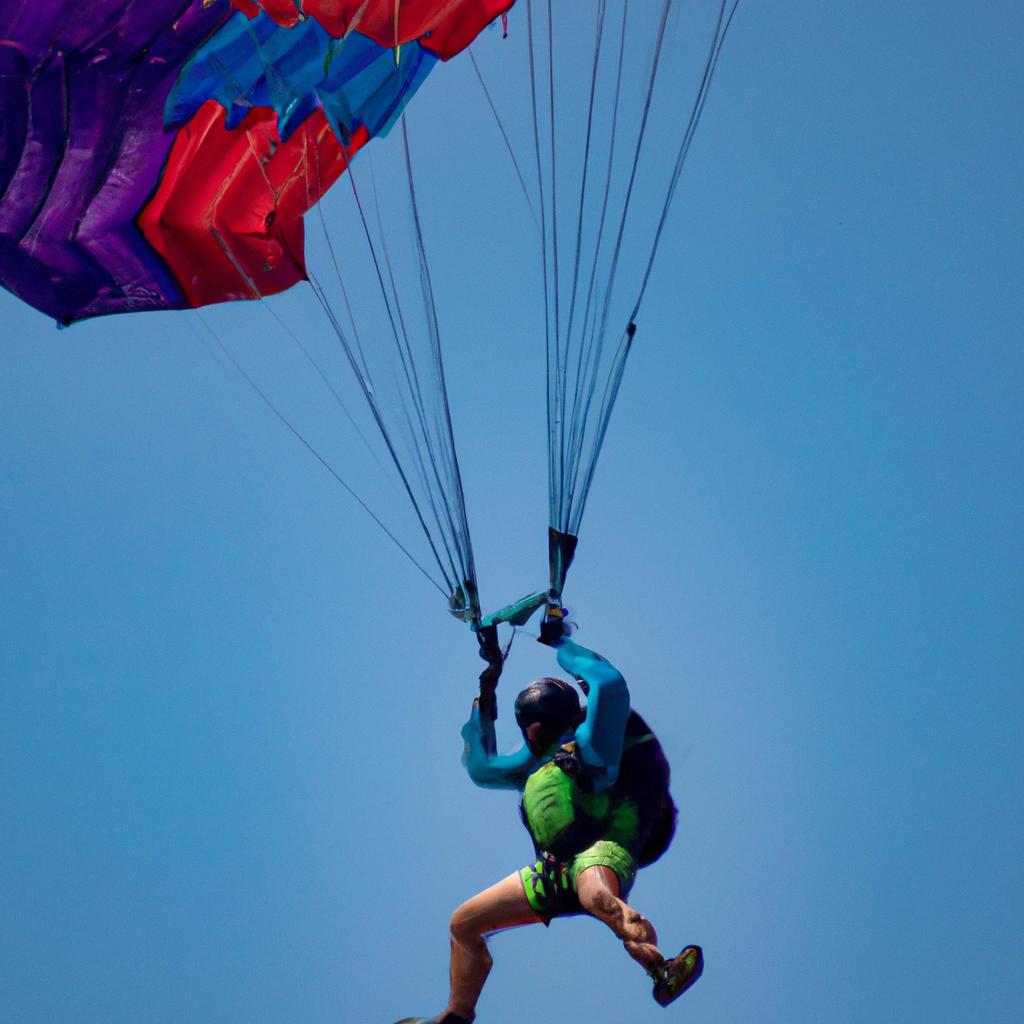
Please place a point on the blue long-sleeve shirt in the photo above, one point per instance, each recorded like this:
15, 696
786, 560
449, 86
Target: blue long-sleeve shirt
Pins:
599, 738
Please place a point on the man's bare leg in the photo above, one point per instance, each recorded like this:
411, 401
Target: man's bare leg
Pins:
503, 905
598, 891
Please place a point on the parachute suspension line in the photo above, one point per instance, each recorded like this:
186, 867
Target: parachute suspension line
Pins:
430, 478
259, 296
460, 527
558, 356
265, 398
577, 259
552, 365
403, 345
555, 262
321, 373
363, 374
611, 392
313, 451
337, 266
575, 430
641, 133
242, 273
591, 346
424, 450
589, 352
599, 330
504, 135
558, 387
364, 383
726, 12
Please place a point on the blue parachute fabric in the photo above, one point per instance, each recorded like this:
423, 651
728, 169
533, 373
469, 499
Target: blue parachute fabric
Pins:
377, 94
258, 63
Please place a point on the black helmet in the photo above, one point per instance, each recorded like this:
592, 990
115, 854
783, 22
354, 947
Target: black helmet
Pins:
552, 702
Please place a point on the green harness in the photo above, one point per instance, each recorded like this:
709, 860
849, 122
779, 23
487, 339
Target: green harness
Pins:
564, 817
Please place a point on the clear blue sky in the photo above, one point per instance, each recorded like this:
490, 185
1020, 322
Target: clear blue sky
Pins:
230, 785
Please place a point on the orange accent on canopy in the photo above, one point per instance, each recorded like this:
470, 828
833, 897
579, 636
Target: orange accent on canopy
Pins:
227, 216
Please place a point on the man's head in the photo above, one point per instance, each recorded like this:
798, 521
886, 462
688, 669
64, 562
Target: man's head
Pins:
546, 710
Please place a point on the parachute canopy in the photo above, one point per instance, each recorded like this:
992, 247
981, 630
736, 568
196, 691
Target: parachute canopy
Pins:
160, 154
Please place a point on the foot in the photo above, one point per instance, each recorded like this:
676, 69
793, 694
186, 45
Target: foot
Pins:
677, 975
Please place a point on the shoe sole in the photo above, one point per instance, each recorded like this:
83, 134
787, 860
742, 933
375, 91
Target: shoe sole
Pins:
663, 994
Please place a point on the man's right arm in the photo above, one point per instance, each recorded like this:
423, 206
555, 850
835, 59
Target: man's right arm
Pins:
493, 771
601, 735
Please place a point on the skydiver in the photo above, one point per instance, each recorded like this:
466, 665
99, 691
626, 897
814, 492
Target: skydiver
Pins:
595, 800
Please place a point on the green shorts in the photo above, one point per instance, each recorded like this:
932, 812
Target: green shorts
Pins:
550, 885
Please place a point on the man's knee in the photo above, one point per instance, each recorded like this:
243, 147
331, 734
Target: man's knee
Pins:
465, 929
599, 901
597, 887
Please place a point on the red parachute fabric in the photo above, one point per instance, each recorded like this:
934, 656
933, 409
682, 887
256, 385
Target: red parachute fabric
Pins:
227, 217
284, 12
444, 27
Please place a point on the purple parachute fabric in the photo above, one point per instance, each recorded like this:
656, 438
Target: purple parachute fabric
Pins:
69, 187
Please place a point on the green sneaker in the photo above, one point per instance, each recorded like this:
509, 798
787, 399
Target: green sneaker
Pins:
677, 975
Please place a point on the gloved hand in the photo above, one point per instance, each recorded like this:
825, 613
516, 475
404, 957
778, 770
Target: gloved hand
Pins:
490, 651
552, 629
